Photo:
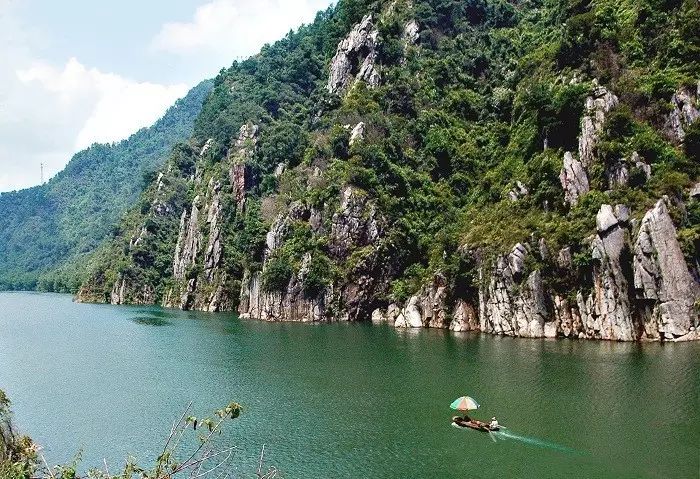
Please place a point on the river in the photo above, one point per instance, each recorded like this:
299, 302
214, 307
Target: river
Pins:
346, 400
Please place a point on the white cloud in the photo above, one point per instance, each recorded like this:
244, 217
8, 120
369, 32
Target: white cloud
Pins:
235, 28
116, 106
47, 114
51, 107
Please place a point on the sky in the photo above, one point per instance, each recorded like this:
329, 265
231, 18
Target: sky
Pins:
76, 72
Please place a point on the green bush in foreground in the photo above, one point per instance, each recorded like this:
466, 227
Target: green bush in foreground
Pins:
19, 457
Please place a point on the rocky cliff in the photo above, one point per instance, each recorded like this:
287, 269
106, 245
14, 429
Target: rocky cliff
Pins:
395, 163
641, 290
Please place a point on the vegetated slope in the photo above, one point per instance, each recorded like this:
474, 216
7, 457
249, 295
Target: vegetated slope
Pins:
44, 226
514, 167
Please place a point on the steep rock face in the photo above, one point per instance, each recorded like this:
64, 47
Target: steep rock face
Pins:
427, 308
188, 242
597, 106
411, 32
355, 225
611, 315
661, 278
201, 283
292, 304
573, 176
685, 111
645, 294
239, 158
127, 292
509, 307
356, 58
465, 317
212, 256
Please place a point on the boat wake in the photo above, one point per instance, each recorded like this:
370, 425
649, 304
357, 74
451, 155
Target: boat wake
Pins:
533, 441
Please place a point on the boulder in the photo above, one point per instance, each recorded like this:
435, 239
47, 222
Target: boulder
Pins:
573, 178
357, 133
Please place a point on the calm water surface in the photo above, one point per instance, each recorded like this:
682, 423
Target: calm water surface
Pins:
347, 400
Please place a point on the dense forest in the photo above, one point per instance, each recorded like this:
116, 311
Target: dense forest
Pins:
393, 153
46, 231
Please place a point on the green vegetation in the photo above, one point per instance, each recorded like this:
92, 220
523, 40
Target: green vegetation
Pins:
181, 455
492, 94
18, 458
46, 231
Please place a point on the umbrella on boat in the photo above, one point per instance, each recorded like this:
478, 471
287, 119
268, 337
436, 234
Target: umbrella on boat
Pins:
464, 403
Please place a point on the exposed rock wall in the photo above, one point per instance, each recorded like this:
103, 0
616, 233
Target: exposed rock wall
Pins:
356, 224
241, 174
667, 292
356, 58
597, 106
574, 176
685, 111
640, 290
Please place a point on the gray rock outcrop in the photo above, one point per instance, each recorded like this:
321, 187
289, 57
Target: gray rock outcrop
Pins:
188, 242
685, 111
356, 58
611, 314
597, 106
239, 158
518, 191
427, 308
354, 224
357, 133
574, 179
639, 290
662, 279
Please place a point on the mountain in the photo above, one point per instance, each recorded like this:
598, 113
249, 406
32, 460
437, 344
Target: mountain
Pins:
56, 224
527, 168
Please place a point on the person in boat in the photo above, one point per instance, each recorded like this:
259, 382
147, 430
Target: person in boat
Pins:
494, 423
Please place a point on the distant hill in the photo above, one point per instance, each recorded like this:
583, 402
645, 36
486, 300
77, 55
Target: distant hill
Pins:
44, 226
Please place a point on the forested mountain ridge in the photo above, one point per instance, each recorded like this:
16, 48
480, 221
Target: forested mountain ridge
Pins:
56, 224
527, 168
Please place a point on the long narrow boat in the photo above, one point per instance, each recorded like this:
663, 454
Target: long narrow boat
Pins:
477, 425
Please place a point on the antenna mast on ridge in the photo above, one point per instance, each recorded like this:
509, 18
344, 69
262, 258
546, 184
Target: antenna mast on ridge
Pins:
42, 173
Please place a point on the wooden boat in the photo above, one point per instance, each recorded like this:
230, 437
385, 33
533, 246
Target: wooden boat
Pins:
475, 424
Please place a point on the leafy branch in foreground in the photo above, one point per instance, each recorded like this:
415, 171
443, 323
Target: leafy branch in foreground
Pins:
181, 456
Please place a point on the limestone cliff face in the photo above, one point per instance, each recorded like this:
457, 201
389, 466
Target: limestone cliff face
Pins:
574, 173
310, 244
666, 291
355, 225
641, 290
356, 58
201, 282
241, 176
685, 111
597, 106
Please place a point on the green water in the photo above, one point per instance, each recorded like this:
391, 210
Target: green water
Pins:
347, 400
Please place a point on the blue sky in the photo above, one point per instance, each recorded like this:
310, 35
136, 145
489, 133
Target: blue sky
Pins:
76, 72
